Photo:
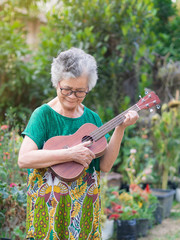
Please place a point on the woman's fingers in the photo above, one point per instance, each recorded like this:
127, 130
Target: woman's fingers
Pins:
82, 154
131, 118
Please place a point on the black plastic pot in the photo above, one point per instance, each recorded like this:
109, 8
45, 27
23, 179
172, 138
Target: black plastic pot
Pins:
5, 239
165, 198
158, 214
126, 229
142, 226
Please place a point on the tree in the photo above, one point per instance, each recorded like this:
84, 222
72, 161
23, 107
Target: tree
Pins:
116, 32
167, 29
17, 84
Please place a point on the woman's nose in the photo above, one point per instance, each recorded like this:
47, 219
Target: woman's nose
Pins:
72, 95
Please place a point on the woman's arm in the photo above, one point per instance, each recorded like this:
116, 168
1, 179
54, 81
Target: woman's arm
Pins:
112, 150
31, 157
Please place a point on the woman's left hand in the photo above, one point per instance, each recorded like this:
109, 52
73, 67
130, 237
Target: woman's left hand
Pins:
131, 118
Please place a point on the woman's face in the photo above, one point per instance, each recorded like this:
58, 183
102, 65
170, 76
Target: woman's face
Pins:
71, 102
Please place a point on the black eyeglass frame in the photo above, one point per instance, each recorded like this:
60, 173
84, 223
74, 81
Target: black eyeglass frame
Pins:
72, 91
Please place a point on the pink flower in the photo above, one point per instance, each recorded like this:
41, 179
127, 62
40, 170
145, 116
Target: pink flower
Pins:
143, 178
148, 171
4, 127
13, 185
115, 193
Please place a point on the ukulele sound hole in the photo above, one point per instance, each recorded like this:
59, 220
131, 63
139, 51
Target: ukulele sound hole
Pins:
87, 138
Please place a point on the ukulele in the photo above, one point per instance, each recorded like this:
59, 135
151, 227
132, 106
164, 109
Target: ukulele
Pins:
70, 171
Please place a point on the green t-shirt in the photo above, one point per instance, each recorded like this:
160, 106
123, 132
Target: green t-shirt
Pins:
46, 123
57, 209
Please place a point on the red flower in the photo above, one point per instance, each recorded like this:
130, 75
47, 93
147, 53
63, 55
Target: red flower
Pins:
114, 216
147, 189
134, 211
117, 208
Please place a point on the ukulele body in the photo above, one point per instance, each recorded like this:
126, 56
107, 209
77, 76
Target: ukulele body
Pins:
70, 171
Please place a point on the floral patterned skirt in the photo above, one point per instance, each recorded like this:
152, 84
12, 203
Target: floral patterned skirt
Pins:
60, 210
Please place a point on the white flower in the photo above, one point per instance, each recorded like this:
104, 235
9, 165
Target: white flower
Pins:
172, 169
132, 151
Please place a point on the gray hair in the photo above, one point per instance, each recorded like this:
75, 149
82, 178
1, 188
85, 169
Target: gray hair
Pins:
74, 63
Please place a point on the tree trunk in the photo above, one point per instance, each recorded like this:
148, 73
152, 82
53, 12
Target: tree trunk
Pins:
165, 178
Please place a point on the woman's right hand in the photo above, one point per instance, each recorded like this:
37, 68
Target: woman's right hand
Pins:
82, 154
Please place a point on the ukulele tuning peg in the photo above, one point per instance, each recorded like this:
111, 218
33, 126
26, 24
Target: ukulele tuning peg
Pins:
158, 106
140, 96
151, 110
146, 92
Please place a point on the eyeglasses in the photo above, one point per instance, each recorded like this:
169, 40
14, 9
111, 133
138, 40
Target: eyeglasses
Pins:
68, 92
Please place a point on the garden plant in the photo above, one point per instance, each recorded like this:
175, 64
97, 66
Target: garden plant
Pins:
12, 186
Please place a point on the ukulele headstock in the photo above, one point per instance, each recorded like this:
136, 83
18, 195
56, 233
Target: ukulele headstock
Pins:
150, 100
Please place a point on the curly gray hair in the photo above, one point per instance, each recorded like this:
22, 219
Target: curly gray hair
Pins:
74, 63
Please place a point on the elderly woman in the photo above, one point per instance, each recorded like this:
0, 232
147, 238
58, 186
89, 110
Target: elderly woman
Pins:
57, 209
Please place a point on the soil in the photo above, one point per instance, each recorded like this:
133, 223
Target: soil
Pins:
169, 229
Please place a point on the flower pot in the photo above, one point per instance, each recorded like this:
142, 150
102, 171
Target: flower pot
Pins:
165, 198
107, 230
5, 239
158, 215
126, 229
178, 194
142, 226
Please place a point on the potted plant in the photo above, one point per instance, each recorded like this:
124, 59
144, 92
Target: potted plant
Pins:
131, 210
147, 206
124, 211
147, 203
165, 132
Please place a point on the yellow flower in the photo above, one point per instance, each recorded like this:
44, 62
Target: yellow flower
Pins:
140, 204
125, 197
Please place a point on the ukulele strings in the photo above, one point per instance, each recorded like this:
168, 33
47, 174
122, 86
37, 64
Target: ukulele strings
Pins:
100, 132
111, 124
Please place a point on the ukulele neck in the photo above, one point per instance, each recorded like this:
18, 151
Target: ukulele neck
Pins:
107, 127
